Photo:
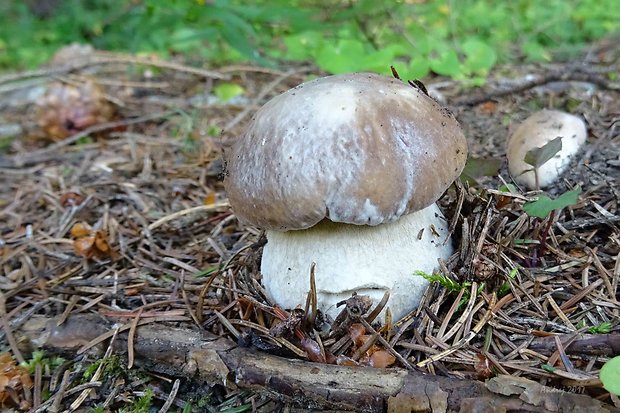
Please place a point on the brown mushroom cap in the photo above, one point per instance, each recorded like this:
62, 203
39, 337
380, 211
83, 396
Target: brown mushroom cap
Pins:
357, 148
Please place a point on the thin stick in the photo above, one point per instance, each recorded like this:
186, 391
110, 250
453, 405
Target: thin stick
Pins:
187, 211
171, 396
130, 339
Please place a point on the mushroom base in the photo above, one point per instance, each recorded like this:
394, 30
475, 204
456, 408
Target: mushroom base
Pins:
368, 260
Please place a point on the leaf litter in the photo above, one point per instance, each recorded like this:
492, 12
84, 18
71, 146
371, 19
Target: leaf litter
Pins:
133, 226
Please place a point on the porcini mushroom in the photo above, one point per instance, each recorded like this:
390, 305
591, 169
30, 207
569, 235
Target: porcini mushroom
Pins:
537, 130
334, 170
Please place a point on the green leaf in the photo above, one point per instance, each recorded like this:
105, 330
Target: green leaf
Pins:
479, 56
447, 64
300, 46
444, 281
342, 57
543, 206
610, 375
227, 91
509, 188
539, 156
535, 52
184, 40
419, 67
478, 167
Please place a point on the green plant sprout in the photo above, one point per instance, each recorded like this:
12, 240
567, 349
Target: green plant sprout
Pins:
479, 167
142, 404
446, 282
603, 328
451, 285
39, 358
544, 205
537, 157
111, 366
505, 287
228, 91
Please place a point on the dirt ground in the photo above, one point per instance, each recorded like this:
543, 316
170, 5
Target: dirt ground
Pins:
127, 221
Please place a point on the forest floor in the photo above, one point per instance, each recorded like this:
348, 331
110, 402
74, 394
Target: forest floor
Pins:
121, 258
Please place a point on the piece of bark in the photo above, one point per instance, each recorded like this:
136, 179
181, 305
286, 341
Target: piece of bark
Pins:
184, 351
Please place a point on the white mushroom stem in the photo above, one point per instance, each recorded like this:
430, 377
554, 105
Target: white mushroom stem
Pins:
349, 258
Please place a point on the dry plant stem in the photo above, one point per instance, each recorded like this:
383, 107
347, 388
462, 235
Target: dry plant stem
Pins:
36, 394
43, 154
171, 396
187, 352
187, 211
97, 375
101, 58
130, 339
55, 407
4, 322
567, 74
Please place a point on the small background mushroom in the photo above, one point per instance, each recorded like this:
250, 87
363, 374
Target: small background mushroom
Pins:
535, 132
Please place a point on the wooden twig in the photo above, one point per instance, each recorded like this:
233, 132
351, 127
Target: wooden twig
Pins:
218, 360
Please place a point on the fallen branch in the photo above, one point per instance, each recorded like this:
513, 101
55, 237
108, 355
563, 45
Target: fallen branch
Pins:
188, 352
566, 75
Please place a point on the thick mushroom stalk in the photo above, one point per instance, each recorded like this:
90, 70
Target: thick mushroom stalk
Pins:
355, 258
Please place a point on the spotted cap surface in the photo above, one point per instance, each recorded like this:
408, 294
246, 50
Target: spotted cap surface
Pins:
356, 148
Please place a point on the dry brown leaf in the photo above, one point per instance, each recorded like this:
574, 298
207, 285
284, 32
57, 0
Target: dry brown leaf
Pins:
482, 366
80, 229
209, 199
356, 331
71, 199
13, 379
90, 243
381, 359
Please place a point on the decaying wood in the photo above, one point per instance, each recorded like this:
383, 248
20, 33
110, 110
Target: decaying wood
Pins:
189, 353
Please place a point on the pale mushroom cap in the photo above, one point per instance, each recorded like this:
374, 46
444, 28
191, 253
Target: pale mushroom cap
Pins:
537, 130
357, 148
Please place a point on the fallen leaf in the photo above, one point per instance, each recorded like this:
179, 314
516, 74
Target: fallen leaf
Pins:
71, 199
80, 229
381, 359
482, 366
209, 199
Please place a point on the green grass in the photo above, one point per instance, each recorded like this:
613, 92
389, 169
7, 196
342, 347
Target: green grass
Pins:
462, 39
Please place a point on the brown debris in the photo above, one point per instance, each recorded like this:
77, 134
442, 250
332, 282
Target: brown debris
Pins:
135, 229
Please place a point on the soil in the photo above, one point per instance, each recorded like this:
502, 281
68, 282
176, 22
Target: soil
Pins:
127, 220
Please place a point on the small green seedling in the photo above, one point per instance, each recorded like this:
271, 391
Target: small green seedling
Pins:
451, 285
537, 157
505, 287
603, 328
479, 167
447, 283
227, 91
610, 376
542, 207
508, 188
39, 357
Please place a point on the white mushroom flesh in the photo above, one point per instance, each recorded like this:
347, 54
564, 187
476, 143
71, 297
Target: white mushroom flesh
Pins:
349, 258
